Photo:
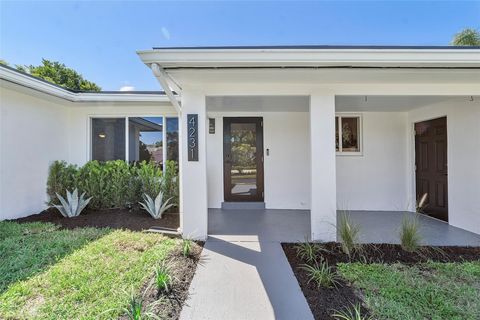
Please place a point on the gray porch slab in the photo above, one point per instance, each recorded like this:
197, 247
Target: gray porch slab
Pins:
259, 225
384, 227
244, 280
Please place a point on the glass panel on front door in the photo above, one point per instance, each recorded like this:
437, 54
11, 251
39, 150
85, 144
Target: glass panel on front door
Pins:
243, 158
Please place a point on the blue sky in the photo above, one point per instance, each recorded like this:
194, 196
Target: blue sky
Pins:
99, 39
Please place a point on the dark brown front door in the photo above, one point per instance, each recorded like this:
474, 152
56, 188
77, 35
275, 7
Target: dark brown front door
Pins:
431, 166
243, 159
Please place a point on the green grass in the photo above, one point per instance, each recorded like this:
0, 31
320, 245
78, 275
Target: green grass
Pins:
73, 274
27, 249
425, 291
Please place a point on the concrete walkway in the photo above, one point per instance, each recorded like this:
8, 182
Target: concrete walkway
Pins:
244, 280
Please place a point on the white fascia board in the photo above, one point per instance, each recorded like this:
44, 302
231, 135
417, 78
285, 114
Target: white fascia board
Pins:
39, 85
185, 58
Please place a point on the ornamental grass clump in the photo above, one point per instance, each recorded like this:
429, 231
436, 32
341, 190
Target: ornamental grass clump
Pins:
322, 274
410, 237
348, 233
73, 205
135, 309
163, 278
187, 247
351, 313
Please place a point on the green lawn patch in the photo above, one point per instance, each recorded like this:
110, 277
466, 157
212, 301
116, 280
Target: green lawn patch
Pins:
73, 274
29, 248
422, 291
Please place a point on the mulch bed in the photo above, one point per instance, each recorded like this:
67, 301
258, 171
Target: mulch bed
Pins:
132, 219
324, 301
183, 270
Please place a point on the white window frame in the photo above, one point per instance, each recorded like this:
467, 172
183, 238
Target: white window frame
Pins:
338, 117
126, 117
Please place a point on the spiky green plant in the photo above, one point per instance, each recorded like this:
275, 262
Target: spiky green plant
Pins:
351, 313
348, 232
186, 247
410, 237
73, 205
163, 278
135, 309
322, 274
156, 207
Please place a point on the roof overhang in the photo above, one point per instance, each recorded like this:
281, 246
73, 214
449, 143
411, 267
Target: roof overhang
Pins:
316, 57
13, 78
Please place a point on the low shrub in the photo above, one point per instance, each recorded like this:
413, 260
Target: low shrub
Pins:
61, 177
113, 184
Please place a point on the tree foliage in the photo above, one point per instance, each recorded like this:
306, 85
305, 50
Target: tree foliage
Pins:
58, 73
467, 37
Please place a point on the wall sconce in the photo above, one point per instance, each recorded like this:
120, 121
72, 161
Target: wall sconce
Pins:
102, 135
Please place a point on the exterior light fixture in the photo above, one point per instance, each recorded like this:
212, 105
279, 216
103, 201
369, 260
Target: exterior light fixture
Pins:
102, 135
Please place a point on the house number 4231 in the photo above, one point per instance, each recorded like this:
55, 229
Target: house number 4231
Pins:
192, 141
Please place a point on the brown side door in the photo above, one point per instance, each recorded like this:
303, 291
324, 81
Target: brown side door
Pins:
431, 168
243, 158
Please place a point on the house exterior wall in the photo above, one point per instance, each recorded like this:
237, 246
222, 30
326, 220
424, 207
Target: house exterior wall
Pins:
33, 133
286, 168
36, 129
463, 131
376, 179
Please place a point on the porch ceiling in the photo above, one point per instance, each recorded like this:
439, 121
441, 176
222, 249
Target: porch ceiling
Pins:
258, 103
359, 103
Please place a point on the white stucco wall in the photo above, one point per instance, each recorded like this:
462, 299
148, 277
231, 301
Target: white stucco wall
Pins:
37, 129
377, 179
33, 133
287, 173
463, 130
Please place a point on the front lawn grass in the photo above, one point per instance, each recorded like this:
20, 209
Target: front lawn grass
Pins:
74, 274
423, 291
29, 248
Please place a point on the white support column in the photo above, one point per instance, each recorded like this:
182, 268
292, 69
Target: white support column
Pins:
323, 167
193, 174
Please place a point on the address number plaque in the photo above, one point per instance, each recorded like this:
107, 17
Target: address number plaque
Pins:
192, 141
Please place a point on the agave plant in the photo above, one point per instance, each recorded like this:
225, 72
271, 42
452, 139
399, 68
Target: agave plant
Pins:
73, 205
158, 207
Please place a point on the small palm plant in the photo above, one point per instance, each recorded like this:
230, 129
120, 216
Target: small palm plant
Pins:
410, 234
163, 279
353, 313
73, 205
348, 233
156, 207
322, 274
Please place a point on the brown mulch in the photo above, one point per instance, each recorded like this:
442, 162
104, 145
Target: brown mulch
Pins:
132, 219
325, 301
168, 305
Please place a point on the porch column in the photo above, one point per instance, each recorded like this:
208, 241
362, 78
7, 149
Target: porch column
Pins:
193, 174
323, 182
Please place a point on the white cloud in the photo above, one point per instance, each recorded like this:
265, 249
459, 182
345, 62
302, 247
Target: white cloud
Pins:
127, 88
166, 33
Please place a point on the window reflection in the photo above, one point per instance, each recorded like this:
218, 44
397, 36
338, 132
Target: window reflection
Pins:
145, 139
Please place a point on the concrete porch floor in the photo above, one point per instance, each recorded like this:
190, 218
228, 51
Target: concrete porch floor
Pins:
294, 226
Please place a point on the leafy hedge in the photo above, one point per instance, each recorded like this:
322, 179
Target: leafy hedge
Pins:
113, 184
